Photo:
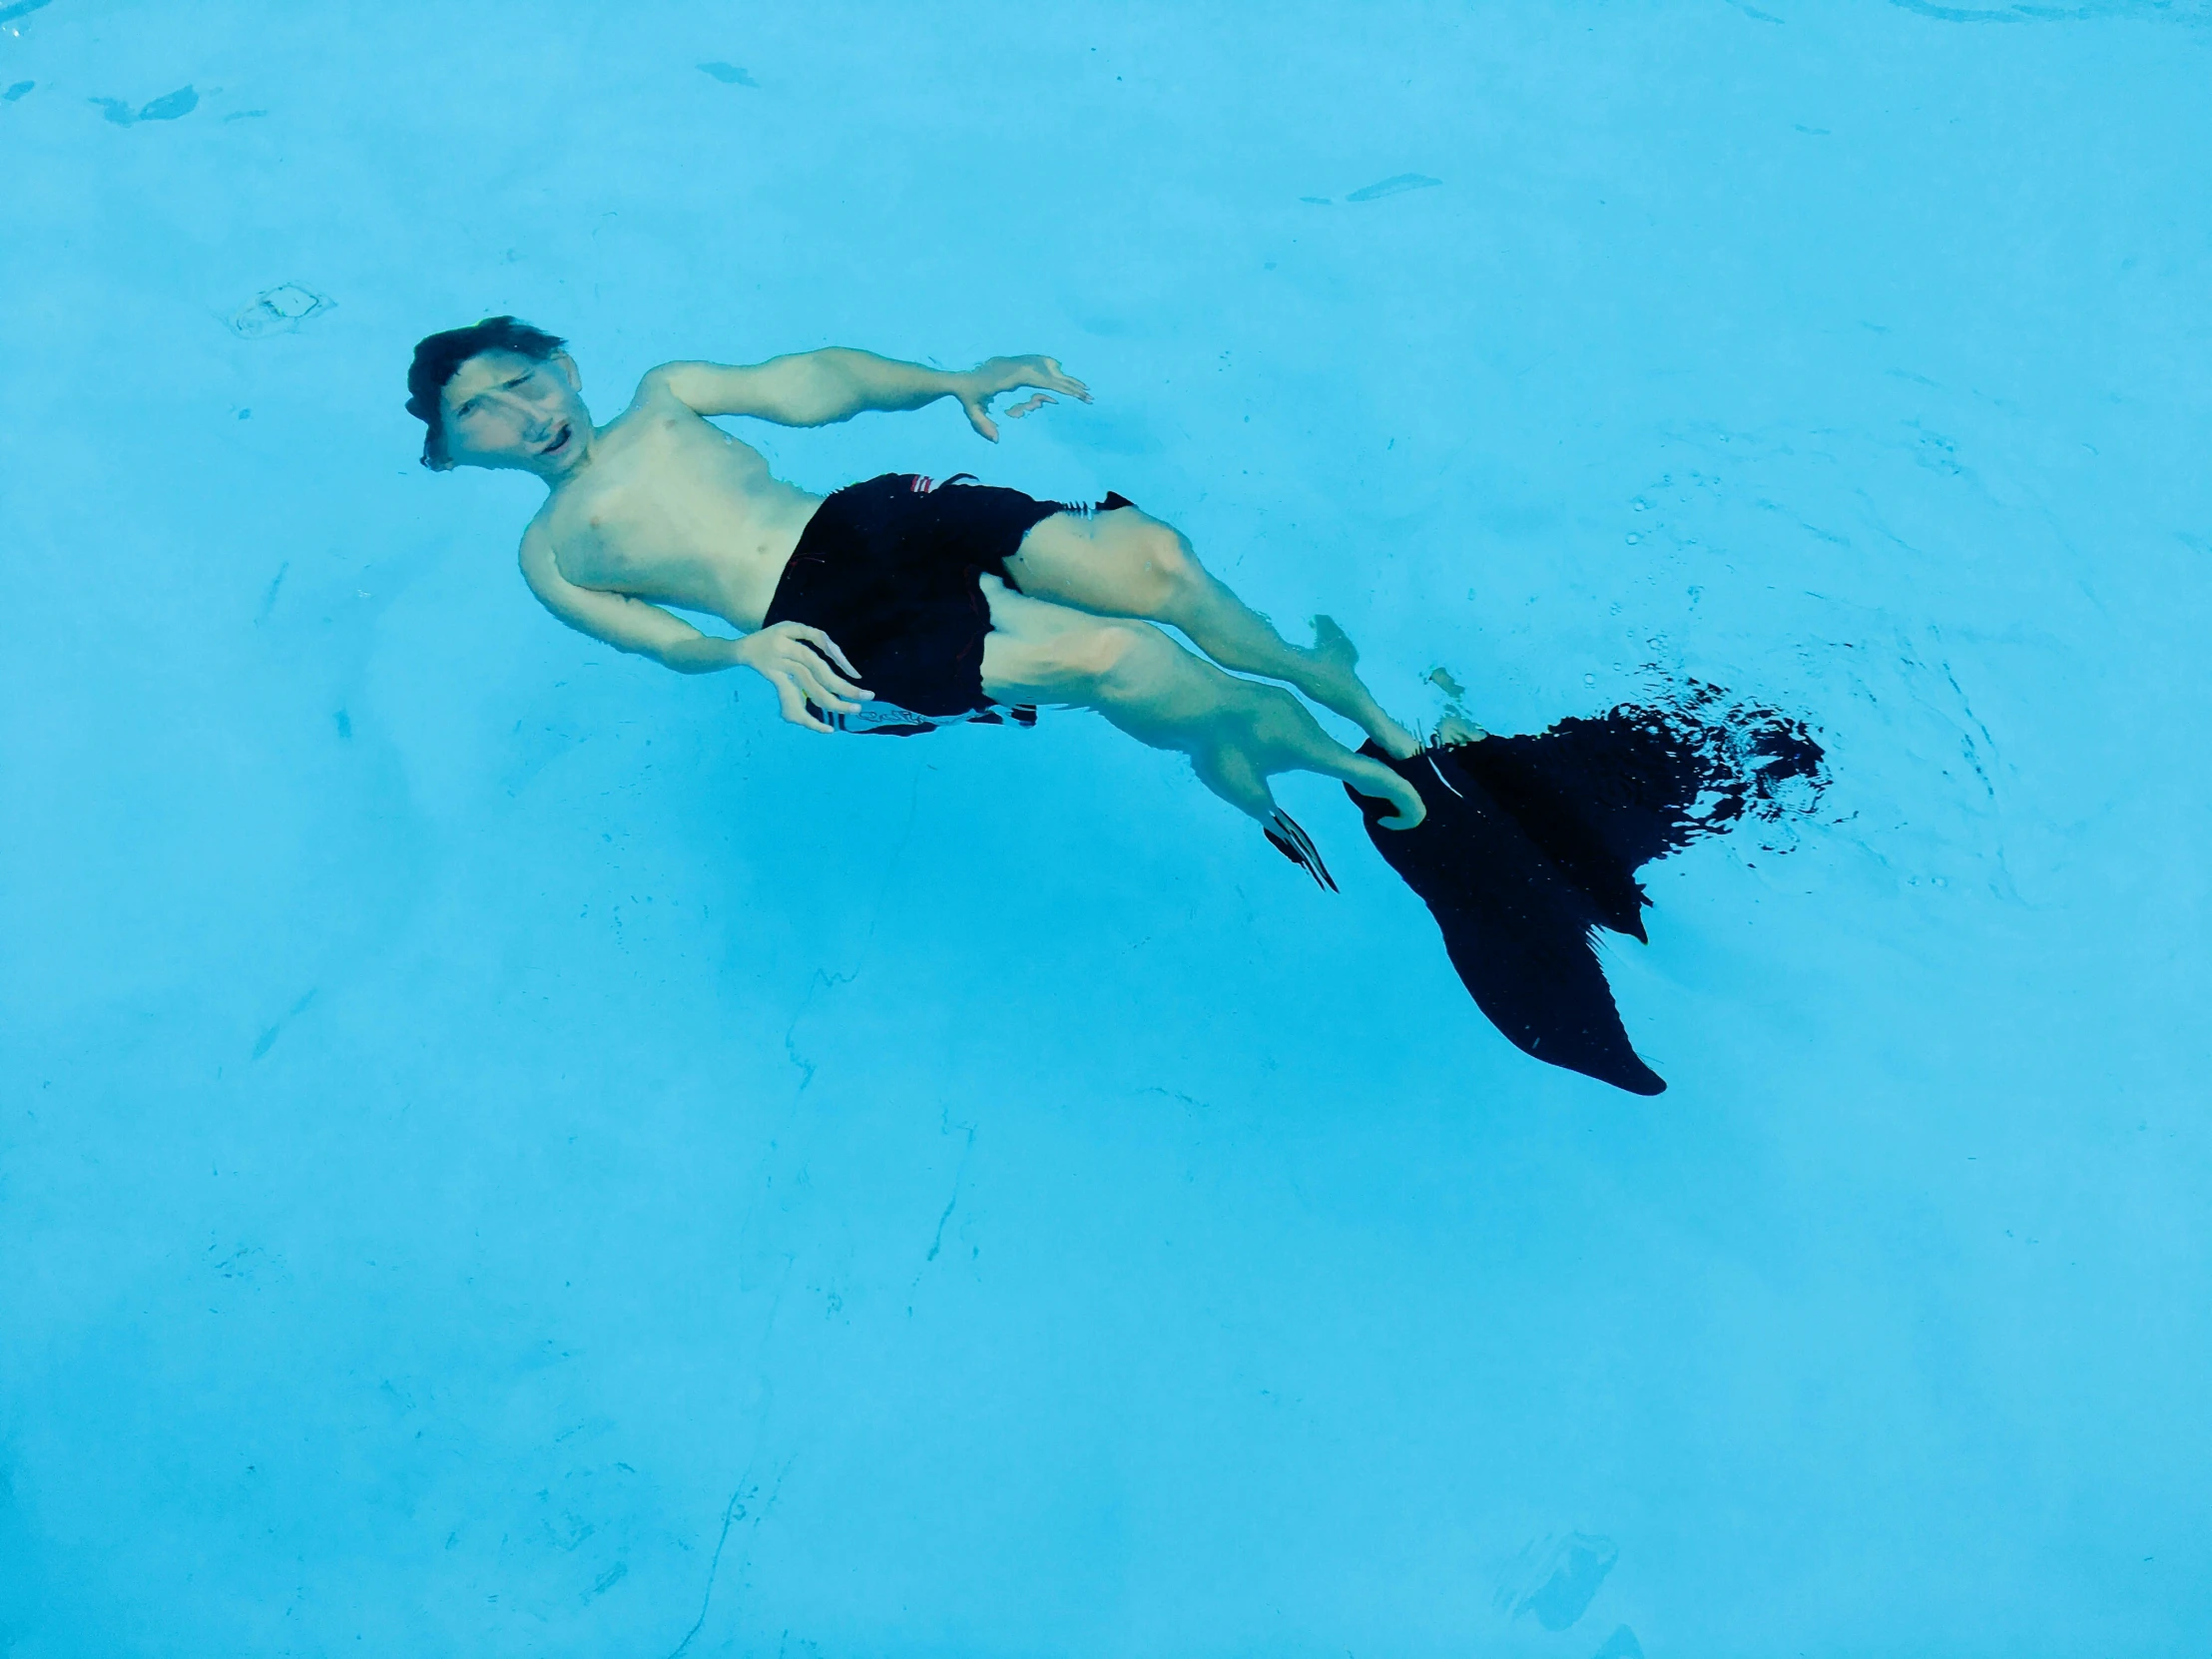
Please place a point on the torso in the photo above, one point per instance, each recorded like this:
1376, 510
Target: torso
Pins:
673, 510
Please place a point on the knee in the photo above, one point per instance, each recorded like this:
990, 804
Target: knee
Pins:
1103, 659
1116, 653
1166, 569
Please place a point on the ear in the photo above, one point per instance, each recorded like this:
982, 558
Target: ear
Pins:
569, 369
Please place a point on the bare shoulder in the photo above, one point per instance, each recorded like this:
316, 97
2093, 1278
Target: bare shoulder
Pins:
540, 559
665, 424
657, 415
537, 554
656, 393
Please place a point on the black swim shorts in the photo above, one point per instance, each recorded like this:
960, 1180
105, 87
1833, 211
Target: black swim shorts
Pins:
890, 570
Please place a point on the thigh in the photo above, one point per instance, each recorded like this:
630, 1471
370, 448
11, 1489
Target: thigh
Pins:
1114, 563
1039, 652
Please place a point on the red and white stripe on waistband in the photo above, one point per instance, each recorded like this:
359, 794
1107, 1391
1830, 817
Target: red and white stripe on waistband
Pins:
922, 485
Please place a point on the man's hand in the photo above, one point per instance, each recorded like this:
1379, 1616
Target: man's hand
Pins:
986, 380
796, 660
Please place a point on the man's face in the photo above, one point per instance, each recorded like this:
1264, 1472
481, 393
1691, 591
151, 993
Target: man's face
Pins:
504, 410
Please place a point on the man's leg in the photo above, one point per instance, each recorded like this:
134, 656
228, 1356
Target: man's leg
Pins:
1236, 732
1127, 563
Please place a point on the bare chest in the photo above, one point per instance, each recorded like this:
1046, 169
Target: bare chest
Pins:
685, 517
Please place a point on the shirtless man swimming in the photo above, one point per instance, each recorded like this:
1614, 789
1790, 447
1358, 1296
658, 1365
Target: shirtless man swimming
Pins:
939, 599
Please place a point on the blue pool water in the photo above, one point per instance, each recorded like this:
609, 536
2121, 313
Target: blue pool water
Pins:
507, 1151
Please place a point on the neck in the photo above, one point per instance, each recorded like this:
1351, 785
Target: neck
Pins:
553, 477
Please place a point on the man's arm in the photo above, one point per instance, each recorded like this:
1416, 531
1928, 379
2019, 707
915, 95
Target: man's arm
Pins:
795, 659
820, 388
616, 618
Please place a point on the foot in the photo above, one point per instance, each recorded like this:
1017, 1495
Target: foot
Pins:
1340, 689
1371, 777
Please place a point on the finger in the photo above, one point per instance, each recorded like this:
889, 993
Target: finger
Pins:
1059, 379
795, 705
824, 675
980, 419
818, 692
828, 646
812, 671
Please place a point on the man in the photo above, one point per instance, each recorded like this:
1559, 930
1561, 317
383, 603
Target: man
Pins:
944, 600
939, 599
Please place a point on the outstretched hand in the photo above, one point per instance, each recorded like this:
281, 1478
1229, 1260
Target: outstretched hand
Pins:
796, 660
986, 380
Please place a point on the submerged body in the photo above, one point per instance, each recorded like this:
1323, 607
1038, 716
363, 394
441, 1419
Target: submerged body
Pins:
662, 508
951, 598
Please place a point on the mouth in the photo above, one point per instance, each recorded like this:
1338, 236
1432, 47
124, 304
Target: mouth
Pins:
559, 443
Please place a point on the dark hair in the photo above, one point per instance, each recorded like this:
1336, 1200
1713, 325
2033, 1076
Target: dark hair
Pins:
438, 358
